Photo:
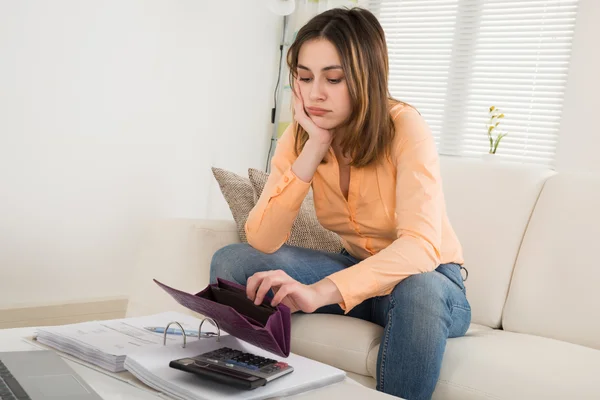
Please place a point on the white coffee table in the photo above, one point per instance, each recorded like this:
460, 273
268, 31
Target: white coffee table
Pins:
110, 388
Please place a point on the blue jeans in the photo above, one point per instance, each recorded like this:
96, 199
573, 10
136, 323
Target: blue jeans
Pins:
420, 314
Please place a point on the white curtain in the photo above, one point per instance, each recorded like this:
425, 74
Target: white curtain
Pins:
454, 59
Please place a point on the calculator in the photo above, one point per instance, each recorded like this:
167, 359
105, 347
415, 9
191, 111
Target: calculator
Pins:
234, 367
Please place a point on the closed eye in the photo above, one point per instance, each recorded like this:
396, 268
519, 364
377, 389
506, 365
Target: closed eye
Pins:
332, 81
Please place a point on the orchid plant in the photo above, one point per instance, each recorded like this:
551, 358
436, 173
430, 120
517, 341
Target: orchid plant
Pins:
494, 135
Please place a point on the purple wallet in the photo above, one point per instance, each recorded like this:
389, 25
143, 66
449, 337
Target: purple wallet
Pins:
226, 302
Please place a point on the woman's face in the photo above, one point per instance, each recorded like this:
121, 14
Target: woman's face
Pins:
322, 84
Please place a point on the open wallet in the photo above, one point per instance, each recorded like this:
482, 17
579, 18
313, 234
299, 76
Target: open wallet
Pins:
226, 302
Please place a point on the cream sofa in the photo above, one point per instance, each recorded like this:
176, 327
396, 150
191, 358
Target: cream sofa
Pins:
529, 237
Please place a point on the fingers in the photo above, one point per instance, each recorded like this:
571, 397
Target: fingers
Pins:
258, 285
263, 289
299, 111
252, 284
281, 293
298, 106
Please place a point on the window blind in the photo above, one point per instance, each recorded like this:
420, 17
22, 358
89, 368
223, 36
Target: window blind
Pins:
453, 59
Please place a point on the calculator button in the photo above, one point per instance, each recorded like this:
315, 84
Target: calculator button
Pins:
231, 358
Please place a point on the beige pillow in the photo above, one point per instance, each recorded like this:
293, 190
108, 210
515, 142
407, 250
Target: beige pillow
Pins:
306, 230
238, 194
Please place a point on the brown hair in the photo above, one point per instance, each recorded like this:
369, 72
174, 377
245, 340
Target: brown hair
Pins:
360, 43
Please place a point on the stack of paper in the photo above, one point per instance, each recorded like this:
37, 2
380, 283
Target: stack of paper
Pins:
124, 344
107, 343
152, 368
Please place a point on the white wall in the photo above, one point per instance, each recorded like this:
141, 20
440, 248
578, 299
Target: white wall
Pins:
579, 138
111, 114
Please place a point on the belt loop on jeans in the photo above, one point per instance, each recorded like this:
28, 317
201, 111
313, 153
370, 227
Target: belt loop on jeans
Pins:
466, 273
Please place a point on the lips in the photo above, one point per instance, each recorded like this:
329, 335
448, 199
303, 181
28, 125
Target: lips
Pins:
317, 111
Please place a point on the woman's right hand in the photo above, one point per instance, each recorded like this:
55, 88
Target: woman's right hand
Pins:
315, 133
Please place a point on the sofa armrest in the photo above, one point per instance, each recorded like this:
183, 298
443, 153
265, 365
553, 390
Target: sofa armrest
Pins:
176, 252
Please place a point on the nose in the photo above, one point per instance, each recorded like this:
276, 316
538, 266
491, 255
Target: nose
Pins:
317, 92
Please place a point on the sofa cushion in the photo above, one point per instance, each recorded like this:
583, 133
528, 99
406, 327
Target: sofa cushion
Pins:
306, 230
554, 291
341, 341
347, 343
489, 205
494, 364
239, 196
372, 356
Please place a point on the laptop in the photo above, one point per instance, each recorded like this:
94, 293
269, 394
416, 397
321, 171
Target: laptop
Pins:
40, 375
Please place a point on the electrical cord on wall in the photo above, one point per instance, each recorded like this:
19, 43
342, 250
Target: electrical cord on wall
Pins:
274, 109
277, 85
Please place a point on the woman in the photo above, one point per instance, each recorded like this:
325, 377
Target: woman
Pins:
374, 170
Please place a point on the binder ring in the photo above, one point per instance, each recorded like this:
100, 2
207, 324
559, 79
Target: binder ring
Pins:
209, 334
182, 332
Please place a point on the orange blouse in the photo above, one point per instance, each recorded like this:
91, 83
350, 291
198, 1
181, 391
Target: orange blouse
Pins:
394, 220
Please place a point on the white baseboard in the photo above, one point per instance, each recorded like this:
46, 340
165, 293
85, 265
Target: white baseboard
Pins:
60, 314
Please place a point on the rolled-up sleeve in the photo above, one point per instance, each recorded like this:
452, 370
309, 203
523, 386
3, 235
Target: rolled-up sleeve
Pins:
419, 218
270, 221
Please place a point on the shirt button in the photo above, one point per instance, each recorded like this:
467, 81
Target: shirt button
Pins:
286, 179
278, 190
